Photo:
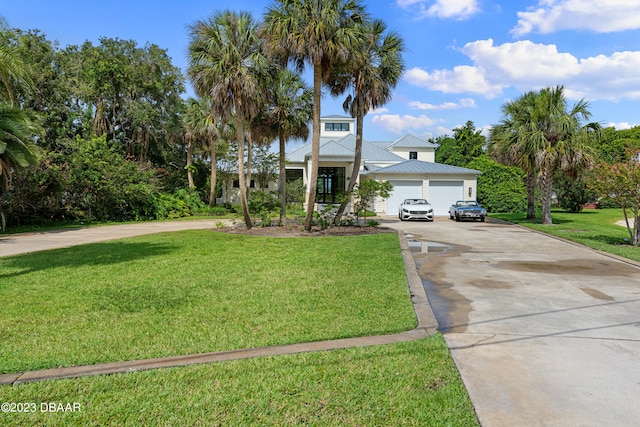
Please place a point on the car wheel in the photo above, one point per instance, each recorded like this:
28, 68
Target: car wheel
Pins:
457, 218
481, 219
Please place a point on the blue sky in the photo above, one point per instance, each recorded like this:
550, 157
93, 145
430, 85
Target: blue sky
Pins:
464, 58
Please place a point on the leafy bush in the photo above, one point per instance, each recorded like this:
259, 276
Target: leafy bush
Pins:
500, 188
182, 203
218, 211
259, 201
295, 193
572, 193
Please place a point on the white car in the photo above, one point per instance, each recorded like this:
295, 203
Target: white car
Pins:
415, 209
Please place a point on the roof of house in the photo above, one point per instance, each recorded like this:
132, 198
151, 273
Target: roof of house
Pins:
420, 167
343, 147
412, 141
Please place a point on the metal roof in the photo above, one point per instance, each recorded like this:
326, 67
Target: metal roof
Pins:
412, 141
420, 167
345, 146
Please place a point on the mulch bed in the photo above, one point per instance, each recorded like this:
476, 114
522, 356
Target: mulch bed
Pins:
299, 231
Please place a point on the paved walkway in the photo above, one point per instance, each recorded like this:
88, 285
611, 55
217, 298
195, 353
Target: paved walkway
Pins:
24, 243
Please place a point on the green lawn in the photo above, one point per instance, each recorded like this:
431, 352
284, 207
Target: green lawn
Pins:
407, 384
189, 292
195, 292
593, 228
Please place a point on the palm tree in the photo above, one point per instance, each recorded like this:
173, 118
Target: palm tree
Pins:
545, 137
372, 71
17, 151
503, 144
226, 64
289, 113
196, 121
14, 73
320, 33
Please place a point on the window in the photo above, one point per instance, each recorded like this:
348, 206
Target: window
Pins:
330, 184
293, 174
413, 155
336, 127
236, 183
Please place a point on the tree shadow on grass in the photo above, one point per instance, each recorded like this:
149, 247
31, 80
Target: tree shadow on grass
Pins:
95, 254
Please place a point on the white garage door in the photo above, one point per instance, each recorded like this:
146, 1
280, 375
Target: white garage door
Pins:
403, 190
442, 194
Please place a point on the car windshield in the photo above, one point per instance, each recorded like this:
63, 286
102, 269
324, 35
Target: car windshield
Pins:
467, 203
416, 202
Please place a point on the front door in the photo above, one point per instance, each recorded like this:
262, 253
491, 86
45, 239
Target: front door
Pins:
331, 183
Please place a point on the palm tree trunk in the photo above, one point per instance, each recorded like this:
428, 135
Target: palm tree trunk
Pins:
531, 194
315, 146
241, 177
249, 163
190, 163
545, 179
214, 171
357, 160
282, 182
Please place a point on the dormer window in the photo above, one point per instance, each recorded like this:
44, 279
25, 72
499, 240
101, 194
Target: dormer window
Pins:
413, 155
336, 127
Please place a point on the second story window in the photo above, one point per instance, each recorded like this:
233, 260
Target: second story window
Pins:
413, 155
336, 127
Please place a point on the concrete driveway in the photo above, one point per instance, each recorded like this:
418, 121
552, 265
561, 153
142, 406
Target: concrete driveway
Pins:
544, 332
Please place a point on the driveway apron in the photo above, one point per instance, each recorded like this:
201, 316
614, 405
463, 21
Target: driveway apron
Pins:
543, 331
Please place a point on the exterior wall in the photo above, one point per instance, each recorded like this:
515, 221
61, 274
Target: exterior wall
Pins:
424, 154
337, 134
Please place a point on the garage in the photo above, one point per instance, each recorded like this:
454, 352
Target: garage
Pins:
403, 190
442, 194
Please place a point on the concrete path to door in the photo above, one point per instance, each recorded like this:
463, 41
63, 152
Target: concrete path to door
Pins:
543, 331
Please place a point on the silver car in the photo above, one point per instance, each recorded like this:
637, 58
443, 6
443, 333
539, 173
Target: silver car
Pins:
415, 209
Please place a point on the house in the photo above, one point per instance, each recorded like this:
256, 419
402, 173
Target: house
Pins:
408, 163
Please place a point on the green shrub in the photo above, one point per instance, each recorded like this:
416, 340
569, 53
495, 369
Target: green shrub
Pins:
218, 211
500, 188
259, 201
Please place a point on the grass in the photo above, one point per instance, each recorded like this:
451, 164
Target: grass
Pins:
187, 292
407, 384
194, 292
593, 228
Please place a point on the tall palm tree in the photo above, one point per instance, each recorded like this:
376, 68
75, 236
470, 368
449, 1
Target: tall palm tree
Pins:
320, 33
547, 136
17, 150
226, 64
289, 113
371, 72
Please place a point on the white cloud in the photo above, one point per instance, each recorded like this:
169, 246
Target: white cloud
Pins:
602, 16
619, 126
399, 124
525, 65
464, 103
462, 78
447, 9
521, 61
